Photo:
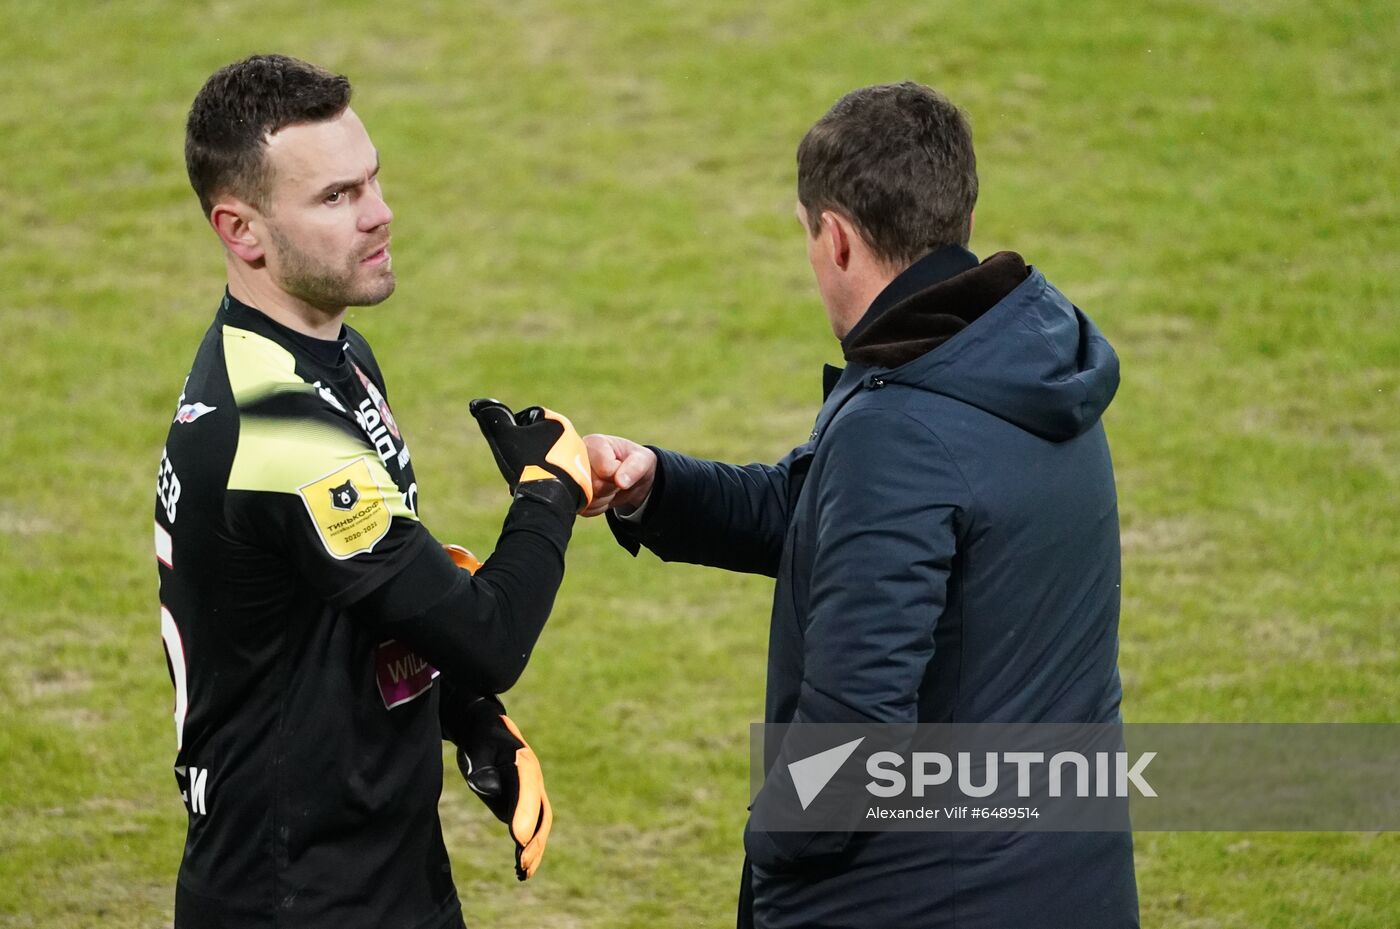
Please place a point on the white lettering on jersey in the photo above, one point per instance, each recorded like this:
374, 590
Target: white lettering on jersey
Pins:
370, 421
410, 499
175, 652
165, 546
381, 418
405, 667
380, 403
199, 782
167, 486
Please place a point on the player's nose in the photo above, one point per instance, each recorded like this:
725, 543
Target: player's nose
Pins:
376, 212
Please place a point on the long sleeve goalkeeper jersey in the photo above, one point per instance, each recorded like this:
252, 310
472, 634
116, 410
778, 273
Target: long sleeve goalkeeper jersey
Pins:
306, 613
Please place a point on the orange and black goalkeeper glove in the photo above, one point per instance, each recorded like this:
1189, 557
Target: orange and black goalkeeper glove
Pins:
501, 768
536, 444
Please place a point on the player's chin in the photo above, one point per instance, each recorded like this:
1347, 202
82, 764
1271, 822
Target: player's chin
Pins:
376, 291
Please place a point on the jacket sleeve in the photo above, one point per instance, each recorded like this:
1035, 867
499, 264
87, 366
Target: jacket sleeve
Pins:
710, 513
887, 512
888, 506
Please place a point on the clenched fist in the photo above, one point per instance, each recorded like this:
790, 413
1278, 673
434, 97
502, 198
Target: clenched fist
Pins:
623, 473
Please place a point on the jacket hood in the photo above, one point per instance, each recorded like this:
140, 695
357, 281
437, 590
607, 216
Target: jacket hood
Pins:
1020, 351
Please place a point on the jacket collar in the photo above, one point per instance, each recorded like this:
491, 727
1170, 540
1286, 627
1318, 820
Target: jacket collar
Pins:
904, 303
928, 316
934, 268
937, 266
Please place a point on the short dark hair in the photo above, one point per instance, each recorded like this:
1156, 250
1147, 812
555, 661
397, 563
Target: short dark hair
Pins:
235, 111
896, 160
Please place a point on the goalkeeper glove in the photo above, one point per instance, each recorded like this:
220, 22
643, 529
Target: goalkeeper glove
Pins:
533, 445
501, 768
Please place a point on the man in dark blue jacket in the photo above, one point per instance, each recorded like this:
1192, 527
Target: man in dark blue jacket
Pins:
945, 543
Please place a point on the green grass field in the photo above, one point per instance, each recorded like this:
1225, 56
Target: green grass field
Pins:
593, 210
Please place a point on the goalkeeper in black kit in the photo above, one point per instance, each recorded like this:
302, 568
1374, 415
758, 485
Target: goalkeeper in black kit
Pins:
321, 642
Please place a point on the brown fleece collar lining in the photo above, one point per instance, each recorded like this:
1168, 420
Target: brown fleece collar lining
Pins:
920, 323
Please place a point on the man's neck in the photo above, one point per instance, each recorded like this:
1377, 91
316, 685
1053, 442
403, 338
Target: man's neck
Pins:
895, 285
296, 314
858, 300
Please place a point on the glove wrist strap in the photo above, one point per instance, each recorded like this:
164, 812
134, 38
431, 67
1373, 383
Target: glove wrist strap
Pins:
554, 493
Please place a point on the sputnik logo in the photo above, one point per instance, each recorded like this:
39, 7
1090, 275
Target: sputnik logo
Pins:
810, 775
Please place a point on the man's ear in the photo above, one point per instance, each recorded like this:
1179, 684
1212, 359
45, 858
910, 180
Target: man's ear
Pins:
237, 224
839, 234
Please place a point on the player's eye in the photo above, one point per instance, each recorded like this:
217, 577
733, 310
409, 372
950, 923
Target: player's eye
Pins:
335, 196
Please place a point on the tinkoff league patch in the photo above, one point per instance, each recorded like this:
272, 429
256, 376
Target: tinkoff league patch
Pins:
348, 509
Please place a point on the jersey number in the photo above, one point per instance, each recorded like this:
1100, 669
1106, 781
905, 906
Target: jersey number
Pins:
175, 655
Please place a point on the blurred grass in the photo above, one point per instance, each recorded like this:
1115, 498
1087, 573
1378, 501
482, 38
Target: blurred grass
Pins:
594, 211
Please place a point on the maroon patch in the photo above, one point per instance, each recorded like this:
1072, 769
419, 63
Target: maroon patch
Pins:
401, 674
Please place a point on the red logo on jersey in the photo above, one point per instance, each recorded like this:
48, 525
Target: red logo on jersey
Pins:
380, 403
401, 674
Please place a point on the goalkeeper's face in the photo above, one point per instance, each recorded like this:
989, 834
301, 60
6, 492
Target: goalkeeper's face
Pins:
327, 224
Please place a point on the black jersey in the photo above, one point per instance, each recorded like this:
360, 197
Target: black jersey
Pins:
309, 745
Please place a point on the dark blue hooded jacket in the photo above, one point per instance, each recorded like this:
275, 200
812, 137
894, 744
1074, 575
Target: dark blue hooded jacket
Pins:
946, 549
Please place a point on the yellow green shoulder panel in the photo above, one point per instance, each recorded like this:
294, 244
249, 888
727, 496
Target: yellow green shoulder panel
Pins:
302, 455
258, 366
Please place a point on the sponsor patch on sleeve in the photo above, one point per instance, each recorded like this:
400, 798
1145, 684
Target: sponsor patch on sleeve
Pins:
401, 674
348, 509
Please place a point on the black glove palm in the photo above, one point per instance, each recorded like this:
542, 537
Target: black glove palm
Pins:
535, 444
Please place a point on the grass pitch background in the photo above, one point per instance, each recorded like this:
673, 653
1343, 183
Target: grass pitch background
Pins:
593, 210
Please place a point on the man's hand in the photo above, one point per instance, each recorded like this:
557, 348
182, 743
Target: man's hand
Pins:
623, 473
535, 445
